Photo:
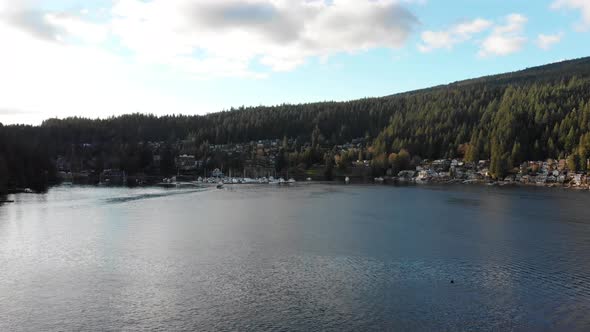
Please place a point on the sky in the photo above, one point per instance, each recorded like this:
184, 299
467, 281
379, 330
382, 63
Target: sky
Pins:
101, 58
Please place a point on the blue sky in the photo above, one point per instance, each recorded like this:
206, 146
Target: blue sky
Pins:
103, 58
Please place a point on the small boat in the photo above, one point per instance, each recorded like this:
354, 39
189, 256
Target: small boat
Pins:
379, 180
220, 185
347, 180
6, 201
291, 180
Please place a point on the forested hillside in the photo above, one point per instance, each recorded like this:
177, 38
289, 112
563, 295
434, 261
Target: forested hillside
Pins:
529, 115
538, 113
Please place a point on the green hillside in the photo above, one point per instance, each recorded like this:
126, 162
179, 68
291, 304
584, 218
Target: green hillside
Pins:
537, 113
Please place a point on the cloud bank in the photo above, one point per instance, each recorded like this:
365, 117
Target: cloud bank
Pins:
227, 37
115, 59
279, 34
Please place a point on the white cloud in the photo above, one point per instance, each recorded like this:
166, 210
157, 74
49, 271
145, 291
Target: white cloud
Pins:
582, 5
49, 76
547, 41
74, 26
90, 62
505, 39
50, 26
227, 37
280, 34
458, 33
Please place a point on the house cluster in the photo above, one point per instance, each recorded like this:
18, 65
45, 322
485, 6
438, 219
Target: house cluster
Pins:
550, 173
270, 145
445, 170
259, 165
260, 156
355, 144
361, 164
187, 163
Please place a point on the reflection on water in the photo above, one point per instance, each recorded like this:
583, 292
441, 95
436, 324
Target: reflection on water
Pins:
306, 257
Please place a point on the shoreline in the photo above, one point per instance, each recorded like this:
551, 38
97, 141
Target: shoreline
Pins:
398, 181
391, 181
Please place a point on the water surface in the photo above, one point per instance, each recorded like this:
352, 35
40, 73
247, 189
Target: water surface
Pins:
308, 257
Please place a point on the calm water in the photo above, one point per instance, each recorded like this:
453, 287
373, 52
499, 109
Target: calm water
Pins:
309, 257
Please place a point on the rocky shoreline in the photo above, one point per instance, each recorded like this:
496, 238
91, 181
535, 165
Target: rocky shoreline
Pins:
549, 174
404, 181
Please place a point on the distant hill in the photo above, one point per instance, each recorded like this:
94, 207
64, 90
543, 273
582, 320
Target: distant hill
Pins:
338, 121
537, 113
550, 73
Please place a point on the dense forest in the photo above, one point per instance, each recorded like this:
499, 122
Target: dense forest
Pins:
534, 114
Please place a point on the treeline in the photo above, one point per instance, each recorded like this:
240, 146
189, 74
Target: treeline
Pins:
25, 160
337, 122
537, 113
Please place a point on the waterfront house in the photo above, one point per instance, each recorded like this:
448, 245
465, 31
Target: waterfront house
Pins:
541, 178
441, 165
578, 179
406, 175
186, 163
113, 177
510, 178
217, 173
426, 175
361, 163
